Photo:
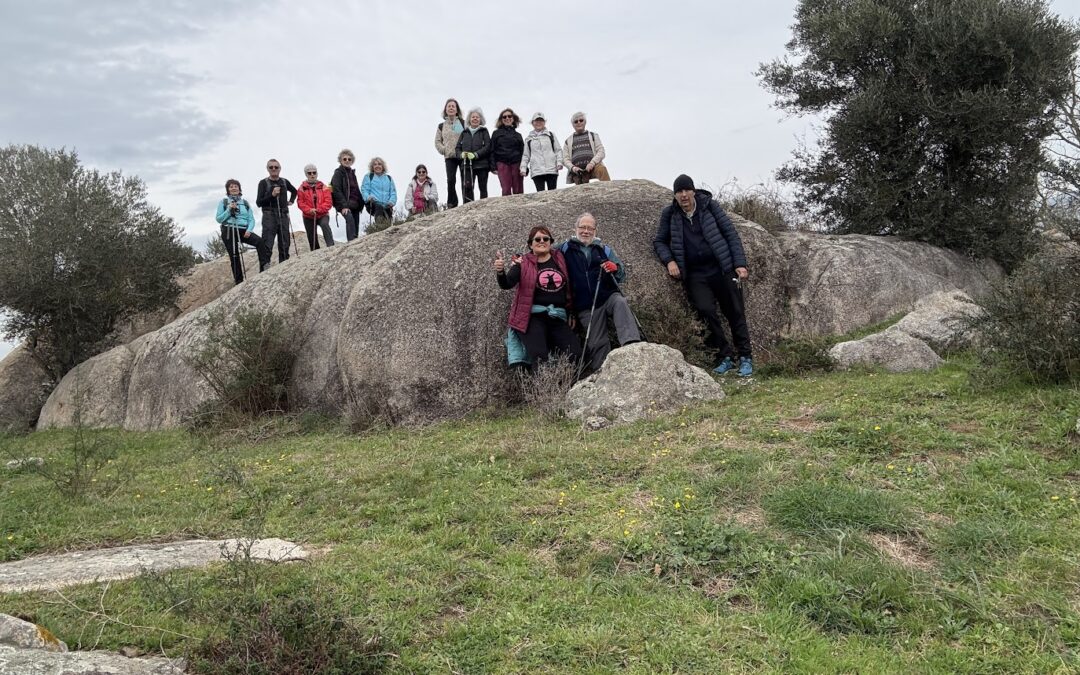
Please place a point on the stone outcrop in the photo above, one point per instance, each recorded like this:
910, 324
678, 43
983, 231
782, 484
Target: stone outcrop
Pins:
835, 284
83, 567
15, 661
942, 320
891, 349
14, 632
414, 316
640, 381
24, 387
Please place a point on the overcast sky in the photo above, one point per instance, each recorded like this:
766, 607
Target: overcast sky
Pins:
187, 93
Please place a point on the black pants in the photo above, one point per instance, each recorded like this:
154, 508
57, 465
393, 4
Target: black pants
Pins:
275, 224
381, 213
452, 166
480, 177
705, 292
352, 222
313, 236
547, 181
547, 336
234, 241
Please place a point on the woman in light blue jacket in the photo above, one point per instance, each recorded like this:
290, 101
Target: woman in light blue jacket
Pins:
379, 193
237, 222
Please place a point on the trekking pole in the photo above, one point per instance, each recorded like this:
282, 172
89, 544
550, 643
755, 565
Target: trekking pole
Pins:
588, 329
238, 254
641, 331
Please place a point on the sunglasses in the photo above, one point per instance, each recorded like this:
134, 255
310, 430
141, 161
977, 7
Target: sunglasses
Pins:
422, 171
312, 173
273, 168
346, 159
508, 117
578, 121
541, 240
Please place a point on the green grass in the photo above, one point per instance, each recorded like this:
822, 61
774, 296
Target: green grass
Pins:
833, 523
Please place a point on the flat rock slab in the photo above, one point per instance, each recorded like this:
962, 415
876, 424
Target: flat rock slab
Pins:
50, 572
15, 661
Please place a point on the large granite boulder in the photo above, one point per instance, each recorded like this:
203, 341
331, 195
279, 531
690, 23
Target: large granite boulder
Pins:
414, 316
835, 284
24, 386
640, 381
891, 349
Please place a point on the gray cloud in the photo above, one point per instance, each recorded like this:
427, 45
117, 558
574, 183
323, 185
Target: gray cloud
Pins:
99, 78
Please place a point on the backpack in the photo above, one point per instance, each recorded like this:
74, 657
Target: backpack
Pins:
551, 137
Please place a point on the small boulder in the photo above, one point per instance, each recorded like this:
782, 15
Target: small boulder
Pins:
892, 349
639, 381
942, 320
15, 632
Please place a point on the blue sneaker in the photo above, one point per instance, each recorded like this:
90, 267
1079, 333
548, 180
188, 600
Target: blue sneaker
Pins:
746, 366
725, 365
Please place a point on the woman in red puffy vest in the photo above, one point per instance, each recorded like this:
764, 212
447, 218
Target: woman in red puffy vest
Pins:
539, 314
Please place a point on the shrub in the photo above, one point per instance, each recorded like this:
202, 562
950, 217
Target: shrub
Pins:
544, 388
295, 634
760, 203
1031, 327
798, 357
247, 362
368, 400
76, 466
671, 321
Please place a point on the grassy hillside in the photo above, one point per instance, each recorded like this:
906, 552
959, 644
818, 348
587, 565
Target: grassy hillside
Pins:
834, 523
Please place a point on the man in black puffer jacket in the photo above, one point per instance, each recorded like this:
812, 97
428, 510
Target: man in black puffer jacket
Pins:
699, 245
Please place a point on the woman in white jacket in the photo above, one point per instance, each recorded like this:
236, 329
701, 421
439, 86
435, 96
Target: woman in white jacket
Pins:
542, 158
421, 196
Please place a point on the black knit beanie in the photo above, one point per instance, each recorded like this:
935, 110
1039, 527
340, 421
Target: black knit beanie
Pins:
683, 182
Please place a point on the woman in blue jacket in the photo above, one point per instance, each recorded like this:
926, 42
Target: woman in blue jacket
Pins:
237, 225
379, 193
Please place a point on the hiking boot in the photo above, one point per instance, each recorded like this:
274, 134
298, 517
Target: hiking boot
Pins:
724, 366
746, 366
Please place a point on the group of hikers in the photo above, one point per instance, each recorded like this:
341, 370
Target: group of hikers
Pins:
468, 150
557, 286
578, 282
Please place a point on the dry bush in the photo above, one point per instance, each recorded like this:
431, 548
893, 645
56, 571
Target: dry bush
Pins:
544, 388
763, 204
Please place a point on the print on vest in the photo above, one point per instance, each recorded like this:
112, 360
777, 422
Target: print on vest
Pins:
550, 280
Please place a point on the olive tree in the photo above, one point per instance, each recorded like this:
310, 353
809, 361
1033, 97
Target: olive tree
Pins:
83, 250
934, 114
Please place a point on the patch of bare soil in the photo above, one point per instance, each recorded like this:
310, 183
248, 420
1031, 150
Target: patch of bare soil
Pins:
901, 551
751, 517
